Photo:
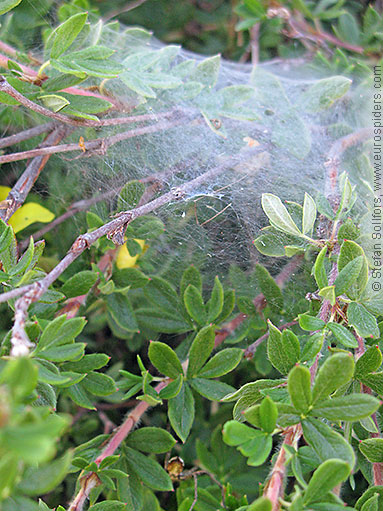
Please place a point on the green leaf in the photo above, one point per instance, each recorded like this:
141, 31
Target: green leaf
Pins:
369, 362
336, 371
312, 346
343, 335
130, 277
328, 475
235, 433
222, 363
99, 384
151, 439
135, 82
165, 359
368, 494
200, 350
172, 389
363, 321
348, 275
46, 396
60, 331
299, 387
20, 375
309, 214
25, 261
58, 83
310, 323
181, 412
7, 5
253, 417
194, 304
54, 102
120, 308
290, 132
324, 93
63, 353
347, 194
39, 480
34, 442
191, 276
283, 349
372, 448
348, 252
374, 381
79, 395
211, 389
268, 413
328, 293
257, 449
270, 243
251, 391
79, 284
161, 321
261, 504
215, 304
162, 295
66, 33
351, 407
371, 504
108, 505
88, 363
326, 442
207, 71
278, 215
269, 288
319, 269
130, 489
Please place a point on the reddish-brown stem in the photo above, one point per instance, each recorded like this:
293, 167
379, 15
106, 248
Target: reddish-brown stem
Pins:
254, 43
98, 145
8, 89
300, 29
274, 488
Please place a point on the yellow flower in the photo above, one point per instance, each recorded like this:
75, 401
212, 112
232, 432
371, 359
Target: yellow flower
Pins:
27, 214
124, 259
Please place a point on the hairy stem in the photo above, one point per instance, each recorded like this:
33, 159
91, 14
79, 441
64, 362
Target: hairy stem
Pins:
274, 488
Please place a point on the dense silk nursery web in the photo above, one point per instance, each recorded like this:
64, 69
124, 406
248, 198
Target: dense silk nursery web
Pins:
181, 162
